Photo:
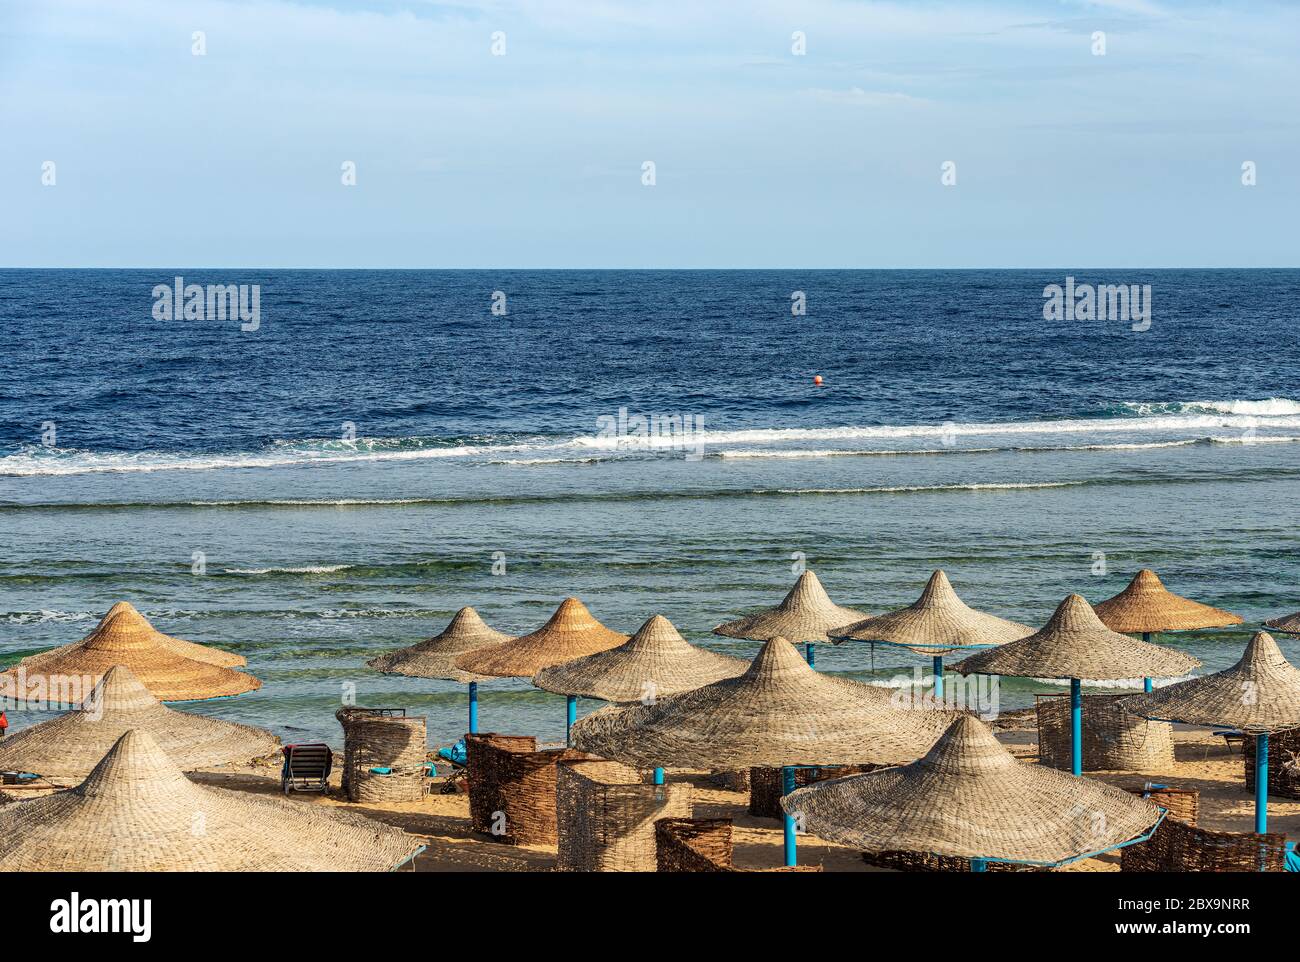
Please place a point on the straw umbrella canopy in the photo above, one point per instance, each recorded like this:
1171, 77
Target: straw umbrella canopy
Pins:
72, 744
780, 712
805, 615
937, 623
571, 632
170, 676
970, 798
436, 657
655, 662
137, 812
1146, 606
124, 620
1075, 644
1287, 624
1260, 693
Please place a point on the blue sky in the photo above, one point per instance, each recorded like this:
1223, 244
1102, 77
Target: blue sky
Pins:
763, 158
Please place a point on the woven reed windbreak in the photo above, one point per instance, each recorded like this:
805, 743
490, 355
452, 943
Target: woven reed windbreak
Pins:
1146, 605
1114, 739
805, 614
1183, 804
938, 623
512, 788
375, 739
702, 845
1283, 763
736, 780
767, 785
1179, 847
606, 815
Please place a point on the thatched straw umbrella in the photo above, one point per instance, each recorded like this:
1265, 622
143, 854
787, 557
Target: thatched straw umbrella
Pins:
136, 812
970, 798
436, 657
805, 615
126, 639
72, 744
781, 713
123, 620
655, 662
1074, 644
1258, 695
937, 624
572, 632
1287, 624
1148, 607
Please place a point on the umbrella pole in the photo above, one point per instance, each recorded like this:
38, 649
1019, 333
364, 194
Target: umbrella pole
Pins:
1076, 727
659, 776
473, 708
808, 653
571, 716
979, 865
1261, 783
938, 676
787, 786
1146, 682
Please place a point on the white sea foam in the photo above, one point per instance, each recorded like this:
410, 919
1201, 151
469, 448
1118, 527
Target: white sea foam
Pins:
1205, 419
45, 616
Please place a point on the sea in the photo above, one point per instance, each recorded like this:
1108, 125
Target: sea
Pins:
379, 448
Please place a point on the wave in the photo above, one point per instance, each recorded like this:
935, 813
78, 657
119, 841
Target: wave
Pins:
45, 616
1008, 449
1200, 417
1270, 407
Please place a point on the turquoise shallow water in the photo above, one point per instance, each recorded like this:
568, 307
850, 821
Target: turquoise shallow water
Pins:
1007, 455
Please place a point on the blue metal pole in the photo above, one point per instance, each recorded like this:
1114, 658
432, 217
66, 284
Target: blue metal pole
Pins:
572, 716
808, 653
1146, 682
1076, 726
1261, 783
659, 776
787, 783
473, 707
937, 661
979, 865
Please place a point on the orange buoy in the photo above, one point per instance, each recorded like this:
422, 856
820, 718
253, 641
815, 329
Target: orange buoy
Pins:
817, 379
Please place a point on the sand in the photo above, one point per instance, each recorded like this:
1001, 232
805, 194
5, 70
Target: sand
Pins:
1202, 762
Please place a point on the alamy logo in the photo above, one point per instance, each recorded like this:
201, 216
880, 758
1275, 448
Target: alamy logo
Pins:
680, 432
74, 915
216, 302
1103, 302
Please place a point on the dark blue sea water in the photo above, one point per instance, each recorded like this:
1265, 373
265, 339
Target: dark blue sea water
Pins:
350, 469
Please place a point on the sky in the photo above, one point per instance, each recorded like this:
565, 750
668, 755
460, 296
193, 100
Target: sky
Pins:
763, 156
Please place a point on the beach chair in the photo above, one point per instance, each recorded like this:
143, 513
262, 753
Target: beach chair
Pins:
306, 767
455, 756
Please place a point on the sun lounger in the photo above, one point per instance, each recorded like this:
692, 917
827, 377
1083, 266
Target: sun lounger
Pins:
306, 767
